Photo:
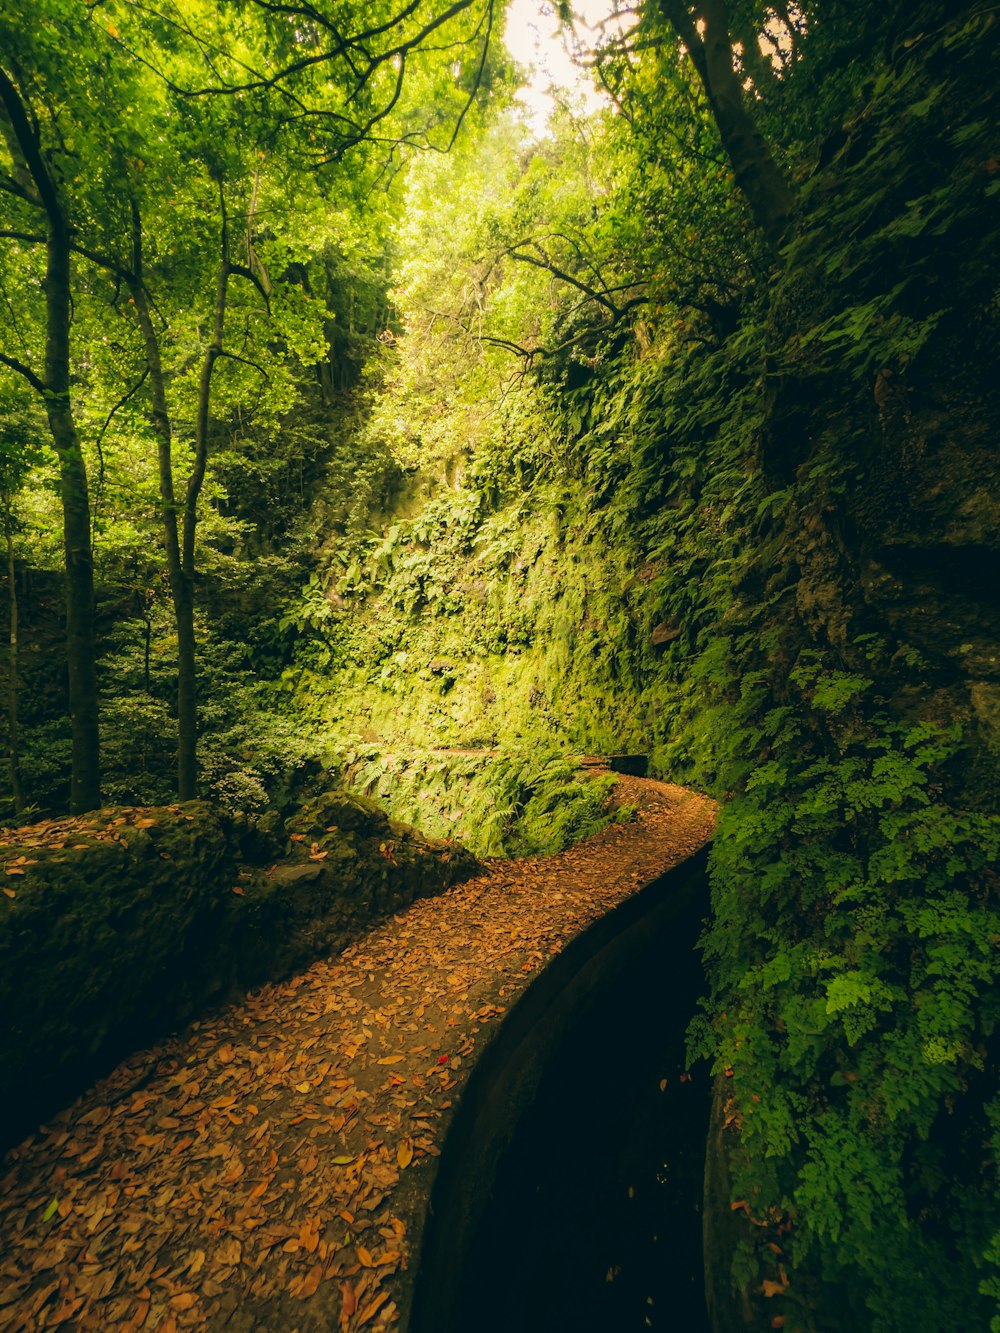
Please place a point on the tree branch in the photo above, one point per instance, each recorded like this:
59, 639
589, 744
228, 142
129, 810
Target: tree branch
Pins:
99, 442
245, 361
241, 271
28, 238
13, 364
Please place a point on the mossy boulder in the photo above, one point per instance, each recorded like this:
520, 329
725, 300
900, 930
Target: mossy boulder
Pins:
117, 927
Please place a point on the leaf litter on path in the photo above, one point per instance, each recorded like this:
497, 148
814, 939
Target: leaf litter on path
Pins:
244, 1174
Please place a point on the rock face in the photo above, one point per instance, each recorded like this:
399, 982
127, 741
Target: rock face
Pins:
118, 927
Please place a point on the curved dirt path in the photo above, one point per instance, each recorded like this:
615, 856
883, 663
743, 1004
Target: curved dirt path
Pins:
259, 1170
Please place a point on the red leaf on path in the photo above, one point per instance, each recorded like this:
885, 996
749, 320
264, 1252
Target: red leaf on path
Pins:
442, 1059
349, 1298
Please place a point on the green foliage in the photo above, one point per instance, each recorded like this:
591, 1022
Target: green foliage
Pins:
708, 473
504, 803
605, 478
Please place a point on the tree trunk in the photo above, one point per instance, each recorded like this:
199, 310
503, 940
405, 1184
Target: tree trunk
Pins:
85, 784
758, 175
181, 581
180, 537
13, 723
187, 680
54, 386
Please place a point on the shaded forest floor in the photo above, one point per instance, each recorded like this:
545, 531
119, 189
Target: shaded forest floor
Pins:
263, 1168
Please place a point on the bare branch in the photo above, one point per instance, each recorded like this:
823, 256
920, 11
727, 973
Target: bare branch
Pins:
245, 361
25, 371
99, 442
27, 238
241, 271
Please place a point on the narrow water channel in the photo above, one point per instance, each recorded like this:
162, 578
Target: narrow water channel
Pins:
593, 1222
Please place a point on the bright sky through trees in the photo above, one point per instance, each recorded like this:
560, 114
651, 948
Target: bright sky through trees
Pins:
537, 41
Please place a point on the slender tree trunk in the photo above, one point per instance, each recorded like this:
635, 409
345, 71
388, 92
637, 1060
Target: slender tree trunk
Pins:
13, 669
761, 180
187, 682
85, 785
147, 643
180, 537
41, 189
181, 579
202, 419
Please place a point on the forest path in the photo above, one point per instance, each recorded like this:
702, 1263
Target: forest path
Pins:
262, 1170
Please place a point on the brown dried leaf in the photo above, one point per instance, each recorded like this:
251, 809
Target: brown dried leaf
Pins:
309, 1284
372, 1308
230, 1252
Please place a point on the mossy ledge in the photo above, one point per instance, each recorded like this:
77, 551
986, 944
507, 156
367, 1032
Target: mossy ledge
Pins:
116, 928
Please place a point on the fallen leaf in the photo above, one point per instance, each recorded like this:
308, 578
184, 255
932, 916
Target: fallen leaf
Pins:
230, 1252
404, 1153
310, 1282
372, 1308
67, 1310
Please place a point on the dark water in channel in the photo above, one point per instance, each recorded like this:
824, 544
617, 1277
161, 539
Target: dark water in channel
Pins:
595, 1223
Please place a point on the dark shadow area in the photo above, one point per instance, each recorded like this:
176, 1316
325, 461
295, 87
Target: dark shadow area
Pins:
595, 1223
589, 1220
